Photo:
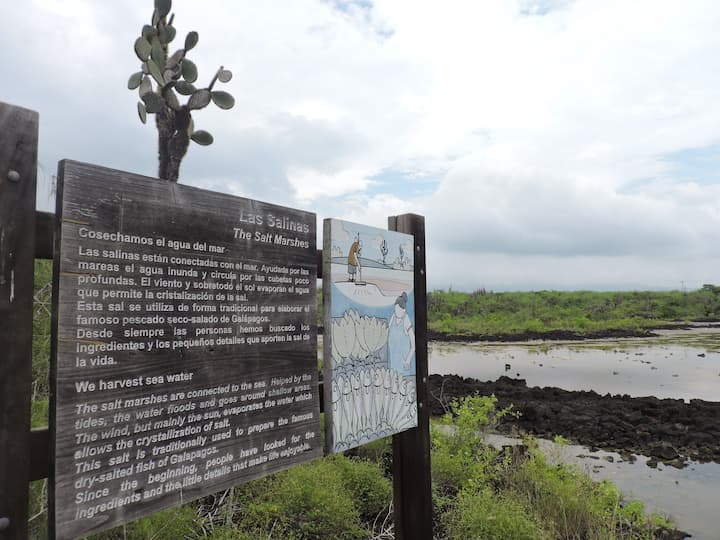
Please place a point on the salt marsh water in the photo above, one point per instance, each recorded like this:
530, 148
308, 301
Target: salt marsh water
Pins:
677, 364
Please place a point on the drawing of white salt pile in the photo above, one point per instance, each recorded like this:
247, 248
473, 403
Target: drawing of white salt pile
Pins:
366, 294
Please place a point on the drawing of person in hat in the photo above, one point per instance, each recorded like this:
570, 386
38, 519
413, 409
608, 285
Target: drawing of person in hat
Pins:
353, 259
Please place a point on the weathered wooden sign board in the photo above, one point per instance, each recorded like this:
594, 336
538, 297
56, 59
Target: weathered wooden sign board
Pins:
369, 344
185, 345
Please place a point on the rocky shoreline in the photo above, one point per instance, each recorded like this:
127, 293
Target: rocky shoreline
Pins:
552, 335
666, 430
570, 335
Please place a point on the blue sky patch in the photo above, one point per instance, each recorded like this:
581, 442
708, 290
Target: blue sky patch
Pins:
347, 5
540, 8
403, 183
699, 165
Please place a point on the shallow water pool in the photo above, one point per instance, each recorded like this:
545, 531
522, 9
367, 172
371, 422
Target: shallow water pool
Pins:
677, 364
680, 365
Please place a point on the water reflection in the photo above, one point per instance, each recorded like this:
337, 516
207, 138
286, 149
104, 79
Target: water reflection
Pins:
676, 365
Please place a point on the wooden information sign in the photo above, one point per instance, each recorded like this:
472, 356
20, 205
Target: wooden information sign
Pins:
369, 344
185, 345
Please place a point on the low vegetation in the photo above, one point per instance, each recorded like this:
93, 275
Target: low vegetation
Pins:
478, 492
482, 492
489, 314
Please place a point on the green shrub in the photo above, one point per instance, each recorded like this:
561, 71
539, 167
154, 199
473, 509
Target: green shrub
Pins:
37, 519
573, 506
309, 501
370, 490
176, 523
229, 532
459, 455
485, 515
37, 524
583, 312
480, 492
569, 502
42, 292
39, 412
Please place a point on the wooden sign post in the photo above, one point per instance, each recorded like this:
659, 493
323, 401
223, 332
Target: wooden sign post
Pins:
185, 356
18, 166
412, 483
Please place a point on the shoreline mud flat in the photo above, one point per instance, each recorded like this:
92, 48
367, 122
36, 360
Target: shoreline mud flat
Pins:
654, 331
668, 430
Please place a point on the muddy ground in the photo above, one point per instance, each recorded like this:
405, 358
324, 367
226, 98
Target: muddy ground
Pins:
667, 430
528, 335
569, 335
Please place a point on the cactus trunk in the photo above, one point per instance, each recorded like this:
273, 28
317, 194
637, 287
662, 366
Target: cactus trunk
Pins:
173, 141
172, 74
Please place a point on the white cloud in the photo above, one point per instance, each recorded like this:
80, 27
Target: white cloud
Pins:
570, 186
310, 184
504, 208
522, 272
553, 126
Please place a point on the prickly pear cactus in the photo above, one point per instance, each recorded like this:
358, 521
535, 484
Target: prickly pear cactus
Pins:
163, 80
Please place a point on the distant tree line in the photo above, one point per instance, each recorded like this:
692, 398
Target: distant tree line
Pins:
490, 313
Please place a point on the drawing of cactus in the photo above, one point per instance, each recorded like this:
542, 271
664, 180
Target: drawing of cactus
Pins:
384, 250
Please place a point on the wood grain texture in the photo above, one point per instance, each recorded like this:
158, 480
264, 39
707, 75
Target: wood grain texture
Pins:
18, 166
412, 485
127, 436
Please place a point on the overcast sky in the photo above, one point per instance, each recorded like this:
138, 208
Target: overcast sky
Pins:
551, 144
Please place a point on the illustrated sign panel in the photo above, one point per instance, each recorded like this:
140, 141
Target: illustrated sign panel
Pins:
185, 345
369, 342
